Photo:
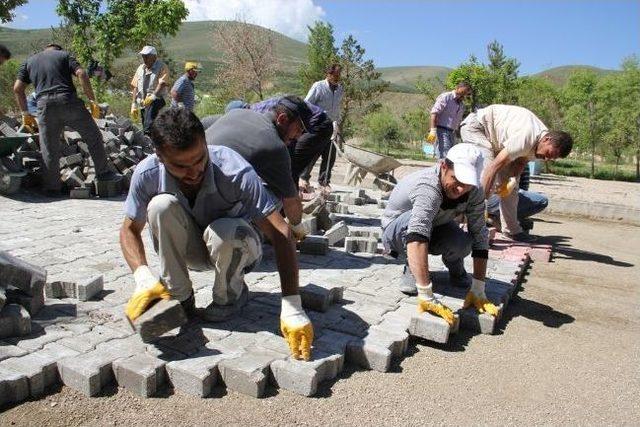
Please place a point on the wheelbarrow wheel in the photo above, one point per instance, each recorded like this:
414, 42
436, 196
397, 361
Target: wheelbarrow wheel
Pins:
9, 184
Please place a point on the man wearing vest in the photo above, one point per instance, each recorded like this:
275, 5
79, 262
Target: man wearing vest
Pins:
149, 87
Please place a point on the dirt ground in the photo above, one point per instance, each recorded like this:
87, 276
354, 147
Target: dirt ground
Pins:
568, 353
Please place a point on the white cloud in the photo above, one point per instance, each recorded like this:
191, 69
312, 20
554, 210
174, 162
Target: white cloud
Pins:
289, 17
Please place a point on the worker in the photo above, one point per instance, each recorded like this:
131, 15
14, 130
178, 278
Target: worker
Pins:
419, 221
509, 137
149, 86
262, 140
311, 143
326, 94
205, 206
5, 54
446, 115
183, 92
51, 71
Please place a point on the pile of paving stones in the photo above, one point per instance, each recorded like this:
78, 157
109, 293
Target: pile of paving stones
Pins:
359, 317
124, 143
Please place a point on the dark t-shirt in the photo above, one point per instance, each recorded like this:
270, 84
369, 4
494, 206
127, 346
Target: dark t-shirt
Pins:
50, 71
255, 138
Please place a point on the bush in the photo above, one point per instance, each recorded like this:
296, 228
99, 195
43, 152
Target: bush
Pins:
8, 72
383, 130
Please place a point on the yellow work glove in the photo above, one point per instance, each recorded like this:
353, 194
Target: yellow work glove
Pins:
95, 109
296, 327
431, 137
135, 112
29, 122
149, 99
477, 298
148, 289
299, 232
427, 302
506, 188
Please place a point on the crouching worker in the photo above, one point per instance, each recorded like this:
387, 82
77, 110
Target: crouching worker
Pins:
204, 205
419, 220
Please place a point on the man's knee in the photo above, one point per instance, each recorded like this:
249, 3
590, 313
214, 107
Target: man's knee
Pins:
162, 206
229, 231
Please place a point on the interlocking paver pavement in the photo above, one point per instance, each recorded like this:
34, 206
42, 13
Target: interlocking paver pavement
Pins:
359, 316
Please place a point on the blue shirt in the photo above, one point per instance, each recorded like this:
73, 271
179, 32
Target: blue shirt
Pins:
186, 92
230, 189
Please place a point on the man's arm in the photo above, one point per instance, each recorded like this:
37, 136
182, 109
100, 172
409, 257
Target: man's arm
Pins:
18, 91
279, 233
501, 160
293, 209
163, 80
518, 166
417, 255
131, 243
86, 84
432, 121
480, 268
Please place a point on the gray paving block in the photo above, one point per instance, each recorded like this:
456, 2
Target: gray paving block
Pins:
14, 387
33, 303
107, 189
198, 374
7, 350
314, 245
21, 274
361, 244
247, 374
430, 327
310, 224
39, 370
319, 297
162, 317
376, 350
142, 374
297, 376
15, 321
3, 297
337, 233
89, 288
71, 161
89, 340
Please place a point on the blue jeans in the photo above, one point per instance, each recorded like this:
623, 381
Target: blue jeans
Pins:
150, 113
444, 142
529, 204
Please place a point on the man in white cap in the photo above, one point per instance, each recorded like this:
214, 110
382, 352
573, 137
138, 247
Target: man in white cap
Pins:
149, 87
419, 220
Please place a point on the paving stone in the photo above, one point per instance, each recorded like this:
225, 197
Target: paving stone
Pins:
14, 321
3, 298
470, 319
72, 160
89, 288
14, 387
198, 374
160, 318
310, 224
7, 350
33, 303
319, 297
361, 244
337, 233
106, 189
21, 274
430, 327
376, 350
247, 374
39, 369
297, 376
142, 374
89, 341
314, 245
353, 199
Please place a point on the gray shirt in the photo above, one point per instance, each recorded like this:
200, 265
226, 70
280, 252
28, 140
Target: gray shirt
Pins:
421, 193
50, 71
254, 136
329, 100
230, 189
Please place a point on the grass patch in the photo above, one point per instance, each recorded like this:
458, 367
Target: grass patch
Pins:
582, 168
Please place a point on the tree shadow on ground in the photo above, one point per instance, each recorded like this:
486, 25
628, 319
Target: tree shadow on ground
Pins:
532, 310
563, 249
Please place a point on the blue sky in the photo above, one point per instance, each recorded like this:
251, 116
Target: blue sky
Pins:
540, 34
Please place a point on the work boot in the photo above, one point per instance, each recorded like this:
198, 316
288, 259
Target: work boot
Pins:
407, 283
522, 237
219, 313
189, 306
526, 224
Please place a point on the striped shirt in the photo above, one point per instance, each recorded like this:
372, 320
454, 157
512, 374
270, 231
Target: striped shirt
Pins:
186, 93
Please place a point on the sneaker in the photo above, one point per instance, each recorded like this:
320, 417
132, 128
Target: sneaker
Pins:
109, 176
219, 313
407, 283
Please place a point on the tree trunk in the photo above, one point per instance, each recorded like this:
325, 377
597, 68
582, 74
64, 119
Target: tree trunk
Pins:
593, 139
638, 165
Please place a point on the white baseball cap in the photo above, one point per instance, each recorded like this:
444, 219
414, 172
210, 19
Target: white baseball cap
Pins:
148, 50
467, 163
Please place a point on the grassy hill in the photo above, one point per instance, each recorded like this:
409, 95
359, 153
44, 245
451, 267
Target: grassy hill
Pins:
559, 75
403, 79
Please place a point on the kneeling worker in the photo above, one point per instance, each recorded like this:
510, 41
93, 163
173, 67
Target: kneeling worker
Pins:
202, 204
419, 220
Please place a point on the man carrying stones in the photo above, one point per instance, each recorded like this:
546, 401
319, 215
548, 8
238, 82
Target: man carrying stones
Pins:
204, 206
262, 140
509, 137
419, 220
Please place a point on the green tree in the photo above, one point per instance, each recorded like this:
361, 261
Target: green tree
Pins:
382, 129
478, 75
504, 73
542, 98
631, 103
6, 9
361, 81
321, 52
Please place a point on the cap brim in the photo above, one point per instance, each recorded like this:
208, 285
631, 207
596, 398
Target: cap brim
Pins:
466, 174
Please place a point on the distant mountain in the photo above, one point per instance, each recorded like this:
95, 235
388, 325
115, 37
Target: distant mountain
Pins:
560, 75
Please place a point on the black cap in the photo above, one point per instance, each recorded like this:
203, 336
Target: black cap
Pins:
299, 107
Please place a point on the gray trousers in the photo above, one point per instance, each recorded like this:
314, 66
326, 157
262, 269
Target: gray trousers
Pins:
230, 247
56, 111
448, 240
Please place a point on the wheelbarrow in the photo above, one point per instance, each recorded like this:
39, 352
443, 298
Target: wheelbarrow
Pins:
12, 150
363, 161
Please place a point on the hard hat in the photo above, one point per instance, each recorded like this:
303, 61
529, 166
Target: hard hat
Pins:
192, 65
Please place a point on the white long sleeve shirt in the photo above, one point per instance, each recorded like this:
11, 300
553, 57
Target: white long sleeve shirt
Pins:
329, 100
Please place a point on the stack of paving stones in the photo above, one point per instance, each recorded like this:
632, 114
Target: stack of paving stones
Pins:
360, 319
124, 143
